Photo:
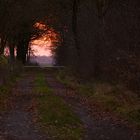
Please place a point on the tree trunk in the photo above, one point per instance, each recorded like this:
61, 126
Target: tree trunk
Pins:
74, 25
22, 50
2, 45
12, 54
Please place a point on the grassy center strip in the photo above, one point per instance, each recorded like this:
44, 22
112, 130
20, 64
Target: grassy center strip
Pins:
56, 117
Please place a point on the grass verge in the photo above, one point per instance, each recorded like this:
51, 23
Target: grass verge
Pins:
5, 92
55, 116
4, 96
112, 98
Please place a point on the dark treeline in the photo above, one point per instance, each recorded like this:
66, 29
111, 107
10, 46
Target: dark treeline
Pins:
105, 41
100, 38
17, 24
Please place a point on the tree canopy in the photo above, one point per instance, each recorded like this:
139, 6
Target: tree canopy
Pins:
99, 38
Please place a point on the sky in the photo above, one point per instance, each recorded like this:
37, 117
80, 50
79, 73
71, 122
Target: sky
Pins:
42, 50
43, 55
42, 45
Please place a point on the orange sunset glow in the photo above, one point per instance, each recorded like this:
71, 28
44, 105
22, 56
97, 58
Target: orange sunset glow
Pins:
43, 44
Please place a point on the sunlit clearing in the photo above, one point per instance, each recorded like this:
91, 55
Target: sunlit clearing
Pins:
41, 51
42, 44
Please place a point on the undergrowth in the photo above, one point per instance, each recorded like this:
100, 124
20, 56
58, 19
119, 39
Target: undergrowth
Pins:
111, 97
5, 92
9, 75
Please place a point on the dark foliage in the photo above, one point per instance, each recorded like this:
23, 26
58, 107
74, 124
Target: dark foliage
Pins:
100, 38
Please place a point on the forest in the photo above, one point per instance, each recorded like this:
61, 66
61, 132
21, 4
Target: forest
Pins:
95, 41
99, 38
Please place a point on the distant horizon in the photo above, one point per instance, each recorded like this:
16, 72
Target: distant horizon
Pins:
43, 60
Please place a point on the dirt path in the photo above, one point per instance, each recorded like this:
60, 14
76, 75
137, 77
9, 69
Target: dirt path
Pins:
96, 129
17, 124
